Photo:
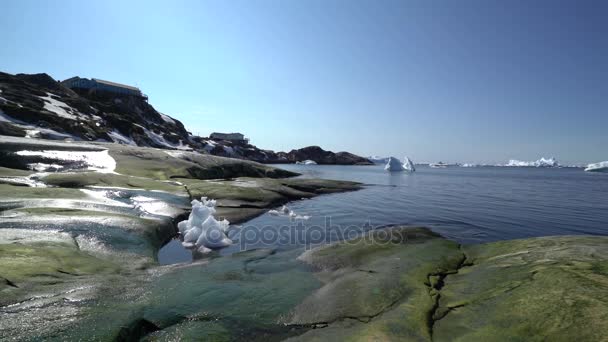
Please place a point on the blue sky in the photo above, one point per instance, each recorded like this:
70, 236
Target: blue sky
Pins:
478, 81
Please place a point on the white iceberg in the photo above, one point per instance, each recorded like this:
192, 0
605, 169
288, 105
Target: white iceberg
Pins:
202, 230
542, 162
408, 164
395, 165
597, 167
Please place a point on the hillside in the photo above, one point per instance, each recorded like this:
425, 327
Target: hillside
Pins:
37, 106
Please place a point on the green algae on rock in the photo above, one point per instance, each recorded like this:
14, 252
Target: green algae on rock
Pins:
540, 289
376, 287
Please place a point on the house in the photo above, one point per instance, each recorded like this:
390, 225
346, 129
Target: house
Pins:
234, 137
101, 85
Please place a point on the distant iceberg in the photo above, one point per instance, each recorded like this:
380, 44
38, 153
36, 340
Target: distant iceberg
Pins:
598, 167
378, 159
201, 230
440, 165
542, 162
307, 162
395, 165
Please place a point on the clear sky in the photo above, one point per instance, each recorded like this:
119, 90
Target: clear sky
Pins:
469, 81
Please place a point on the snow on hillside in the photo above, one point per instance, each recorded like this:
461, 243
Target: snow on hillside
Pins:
61, 108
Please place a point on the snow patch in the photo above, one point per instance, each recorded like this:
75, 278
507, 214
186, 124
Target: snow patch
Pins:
160, 140
99, 161
33, 131
60, 108
167, 118
117, 137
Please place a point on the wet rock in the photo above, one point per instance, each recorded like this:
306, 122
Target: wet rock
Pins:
244, 198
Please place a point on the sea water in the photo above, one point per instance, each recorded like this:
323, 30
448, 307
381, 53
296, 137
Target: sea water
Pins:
469, 205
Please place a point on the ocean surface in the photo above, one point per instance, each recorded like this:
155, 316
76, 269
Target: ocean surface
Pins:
469, 205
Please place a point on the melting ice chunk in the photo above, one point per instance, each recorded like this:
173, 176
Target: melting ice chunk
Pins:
285, 211
201, 230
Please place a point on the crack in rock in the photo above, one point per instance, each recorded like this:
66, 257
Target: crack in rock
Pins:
435, 282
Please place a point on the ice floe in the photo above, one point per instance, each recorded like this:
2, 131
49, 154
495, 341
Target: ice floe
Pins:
286, 212
597, 167
201, 230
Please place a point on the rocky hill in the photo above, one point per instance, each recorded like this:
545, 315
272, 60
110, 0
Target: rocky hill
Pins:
320, 156
37, 106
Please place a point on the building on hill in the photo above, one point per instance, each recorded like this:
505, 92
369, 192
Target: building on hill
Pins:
234, 137
101, 85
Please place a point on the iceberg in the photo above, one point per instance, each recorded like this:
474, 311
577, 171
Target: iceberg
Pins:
201, 230
542, 162
395, 165
307, 162
597, 167
408, 164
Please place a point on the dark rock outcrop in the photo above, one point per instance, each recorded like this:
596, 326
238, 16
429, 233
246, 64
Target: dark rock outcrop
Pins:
320, 156
38, 106
40, 102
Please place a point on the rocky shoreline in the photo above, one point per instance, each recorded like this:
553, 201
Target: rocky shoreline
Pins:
79, 239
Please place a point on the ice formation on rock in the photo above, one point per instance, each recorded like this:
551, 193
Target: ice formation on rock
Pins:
201, 230
597, 167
